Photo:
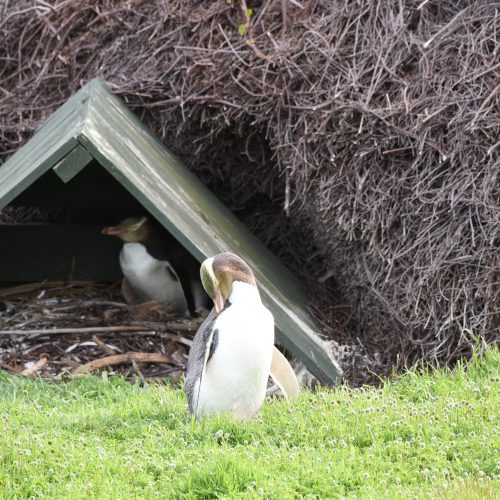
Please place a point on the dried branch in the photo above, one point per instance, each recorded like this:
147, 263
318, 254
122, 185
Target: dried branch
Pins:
248, 31
35, 368
139, 373
177, 338
66, 331
103, 345
118, 359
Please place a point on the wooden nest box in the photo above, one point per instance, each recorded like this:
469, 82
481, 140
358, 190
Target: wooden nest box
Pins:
94, 153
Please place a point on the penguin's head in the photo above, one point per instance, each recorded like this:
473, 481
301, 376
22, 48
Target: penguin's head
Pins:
220, 272
129, 230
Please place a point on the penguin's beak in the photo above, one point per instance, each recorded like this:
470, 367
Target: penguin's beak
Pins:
218, 300
112, 230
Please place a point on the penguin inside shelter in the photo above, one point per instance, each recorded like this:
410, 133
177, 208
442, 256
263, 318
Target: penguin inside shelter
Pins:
156, 266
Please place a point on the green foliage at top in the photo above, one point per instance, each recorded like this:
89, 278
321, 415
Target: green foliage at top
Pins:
425, 435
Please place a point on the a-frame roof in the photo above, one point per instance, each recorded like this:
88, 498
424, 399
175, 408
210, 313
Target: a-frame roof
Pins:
94, 124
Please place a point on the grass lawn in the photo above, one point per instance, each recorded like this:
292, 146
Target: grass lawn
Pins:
425, 436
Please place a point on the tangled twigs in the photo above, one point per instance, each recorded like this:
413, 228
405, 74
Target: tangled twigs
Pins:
247, 31
32, 350
363, 149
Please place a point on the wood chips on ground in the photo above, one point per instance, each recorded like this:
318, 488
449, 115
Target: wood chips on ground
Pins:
59, 331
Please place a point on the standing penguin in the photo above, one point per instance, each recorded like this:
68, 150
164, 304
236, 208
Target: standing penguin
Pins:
233, 351
157, 267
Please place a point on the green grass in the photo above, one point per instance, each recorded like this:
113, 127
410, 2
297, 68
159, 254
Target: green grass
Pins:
424, 435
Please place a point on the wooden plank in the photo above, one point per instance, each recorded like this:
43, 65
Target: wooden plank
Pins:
73, 163
114, 136
37, 252
55, 139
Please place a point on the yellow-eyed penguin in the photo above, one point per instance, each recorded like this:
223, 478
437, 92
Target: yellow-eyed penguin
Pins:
157, 267
233, 351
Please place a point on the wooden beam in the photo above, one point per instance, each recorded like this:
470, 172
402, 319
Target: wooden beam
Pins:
75, 161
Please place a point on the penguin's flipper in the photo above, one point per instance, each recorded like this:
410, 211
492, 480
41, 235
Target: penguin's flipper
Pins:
283, 375
178, 300
203, 346
184, 280
132, 295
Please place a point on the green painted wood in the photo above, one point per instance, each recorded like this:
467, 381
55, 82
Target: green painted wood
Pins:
38, 252
73, 163
54, 140
121, 143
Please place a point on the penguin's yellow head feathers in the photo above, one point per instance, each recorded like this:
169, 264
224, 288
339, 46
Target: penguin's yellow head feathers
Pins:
129, 230
218, 274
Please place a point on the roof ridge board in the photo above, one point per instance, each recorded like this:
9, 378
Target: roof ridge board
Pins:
48, 145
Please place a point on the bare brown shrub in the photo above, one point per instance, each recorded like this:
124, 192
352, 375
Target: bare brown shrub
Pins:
357, 138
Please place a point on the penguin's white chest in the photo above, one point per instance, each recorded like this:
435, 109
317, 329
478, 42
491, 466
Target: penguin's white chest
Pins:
153, 278
236, 375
